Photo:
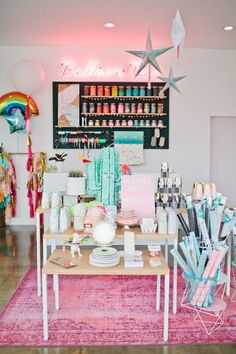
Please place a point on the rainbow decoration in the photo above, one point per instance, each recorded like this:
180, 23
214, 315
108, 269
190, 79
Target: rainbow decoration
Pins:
13, 100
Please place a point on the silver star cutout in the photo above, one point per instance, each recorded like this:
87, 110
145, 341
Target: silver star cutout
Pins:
170, 81
148, 55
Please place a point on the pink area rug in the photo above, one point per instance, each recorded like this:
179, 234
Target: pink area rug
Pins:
102, 310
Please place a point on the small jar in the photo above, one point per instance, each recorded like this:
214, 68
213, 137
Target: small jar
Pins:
154, 123
142, 91
127, 107
130, 123
146, 107
155, 91
112, 108
141, 123
110, 123
91, 107
135, 91
104, 123
86, 90
153, 108
128, 91
100, 90
160, 123
93, 90
84, 107
114, 91
107, 91
147, 123
140, 108
105, 107
121, 91
124, 123
97, 123
117, 123
136, 123
99, 108
133, 108
90, 123
121, 108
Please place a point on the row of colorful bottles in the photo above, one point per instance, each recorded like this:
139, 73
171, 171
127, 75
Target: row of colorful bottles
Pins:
133, 107
115, 90
125, 123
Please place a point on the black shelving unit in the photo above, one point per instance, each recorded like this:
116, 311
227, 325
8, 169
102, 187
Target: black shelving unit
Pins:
103, 106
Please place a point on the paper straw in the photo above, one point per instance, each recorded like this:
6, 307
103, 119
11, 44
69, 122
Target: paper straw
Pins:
181, 262
200, 270
219, 212
228, 224
205, 275
202, 224
196, 246
188, 257
218, 259
213, 225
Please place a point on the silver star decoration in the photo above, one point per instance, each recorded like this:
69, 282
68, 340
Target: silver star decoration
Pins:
148, 55
170, 81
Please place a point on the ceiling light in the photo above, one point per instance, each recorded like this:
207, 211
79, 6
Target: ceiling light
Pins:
109, 25
228, 28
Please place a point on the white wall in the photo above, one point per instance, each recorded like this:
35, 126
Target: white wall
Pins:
208, 90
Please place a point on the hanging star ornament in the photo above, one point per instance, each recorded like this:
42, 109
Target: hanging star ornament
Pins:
170, 81
178, 33
148, 55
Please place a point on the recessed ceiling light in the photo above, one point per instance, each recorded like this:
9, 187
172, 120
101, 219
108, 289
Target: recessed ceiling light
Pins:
109, 25
228, 28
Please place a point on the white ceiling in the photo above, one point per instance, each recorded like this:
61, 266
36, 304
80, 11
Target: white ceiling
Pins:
80, 22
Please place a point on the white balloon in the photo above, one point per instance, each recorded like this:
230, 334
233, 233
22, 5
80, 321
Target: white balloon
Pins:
28, 76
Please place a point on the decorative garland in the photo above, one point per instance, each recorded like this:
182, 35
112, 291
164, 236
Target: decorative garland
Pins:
7, 184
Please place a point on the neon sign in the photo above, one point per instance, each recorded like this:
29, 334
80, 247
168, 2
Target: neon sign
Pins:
69, 69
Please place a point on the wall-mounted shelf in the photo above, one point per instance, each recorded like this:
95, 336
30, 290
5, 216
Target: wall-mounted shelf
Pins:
75, 112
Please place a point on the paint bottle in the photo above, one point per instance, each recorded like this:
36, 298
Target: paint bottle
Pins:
133, 108
100, 90
128, 91
142, 91
114, 91
86, 90
93, 90
127, 107
99, 108
135, 91
121, 108
113, 108
107, 91
146, 107
91, 107
84, 107
105, 107
121, 91
140, 108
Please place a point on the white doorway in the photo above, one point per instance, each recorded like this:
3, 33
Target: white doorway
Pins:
223, 157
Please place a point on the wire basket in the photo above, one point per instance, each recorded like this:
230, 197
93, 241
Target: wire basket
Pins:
199, 292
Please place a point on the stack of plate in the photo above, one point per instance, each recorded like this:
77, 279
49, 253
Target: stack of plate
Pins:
104, 257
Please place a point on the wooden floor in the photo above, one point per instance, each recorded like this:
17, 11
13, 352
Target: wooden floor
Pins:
18, 252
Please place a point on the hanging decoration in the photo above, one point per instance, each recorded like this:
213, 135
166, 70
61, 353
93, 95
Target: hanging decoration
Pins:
7, 184
170, 81
12, 108
178, 33
84, 159
36, 166
13, 100
148, 57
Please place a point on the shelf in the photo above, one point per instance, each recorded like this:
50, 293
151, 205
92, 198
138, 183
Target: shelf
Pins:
122, 97
113, 127
124, 114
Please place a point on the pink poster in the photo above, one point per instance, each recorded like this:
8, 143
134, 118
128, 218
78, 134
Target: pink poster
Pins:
137, 194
